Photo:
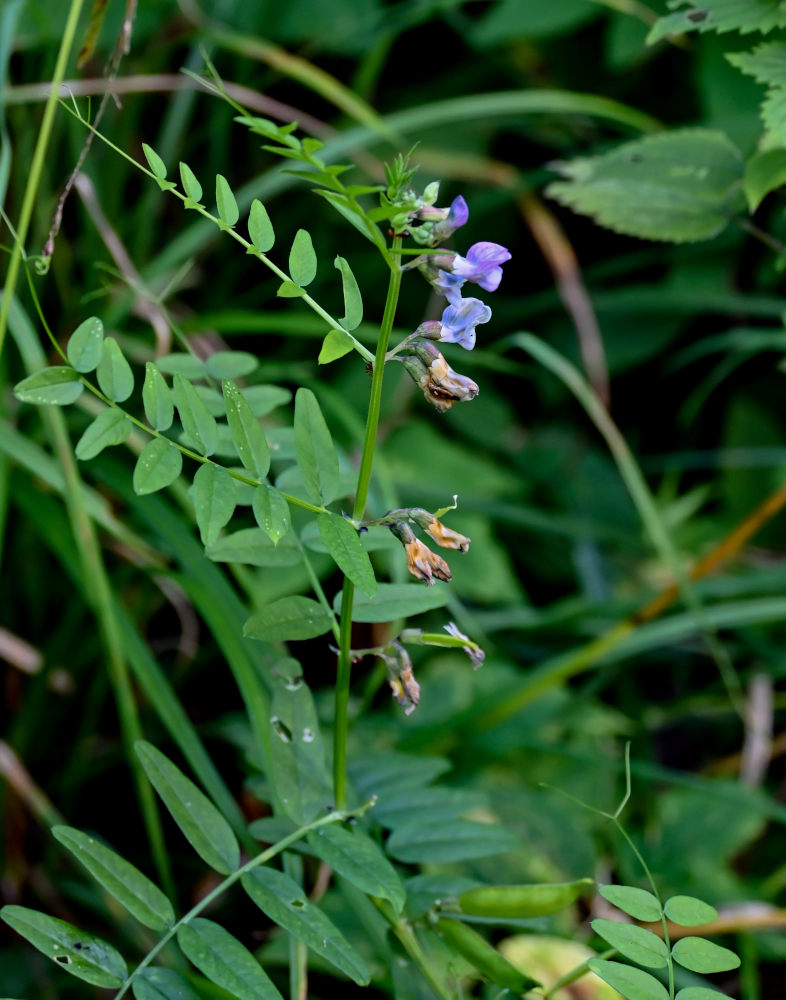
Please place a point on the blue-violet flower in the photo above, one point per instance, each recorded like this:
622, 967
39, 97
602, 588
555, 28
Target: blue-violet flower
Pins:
460, 319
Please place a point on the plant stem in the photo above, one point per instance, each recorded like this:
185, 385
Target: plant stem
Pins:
406, 935
341, 722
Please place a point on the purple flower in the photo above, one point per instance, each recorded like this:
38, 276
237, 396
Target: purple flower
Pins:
481, 265
439, 223
460, 319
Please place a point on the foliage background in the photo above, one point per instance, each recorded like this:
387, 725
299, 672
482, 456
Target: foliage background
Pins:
692, 337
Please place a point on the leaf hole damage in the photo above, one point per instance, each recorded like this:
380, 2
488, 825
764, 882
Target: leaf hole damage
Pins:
299, 903
63, 959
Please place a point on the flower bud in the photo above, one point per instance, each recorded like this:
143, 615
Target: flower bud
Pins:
473, 651
421, 561
443, 536
405, 688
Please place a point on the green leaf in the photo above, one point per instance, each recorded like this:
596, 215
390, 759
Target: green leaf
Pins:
191, 185
289, 290
360, 860
631, 983
58, 386
700, 993
248, 436
264, 398
353, 301
720, 16
302, 259
230, 364
157, 165
158, 983
157, 467
635, 943
678, 186
253, 547
764, 172
344, 545
181, 364
316, 455
396, 600
271, 512
700, 955
766, 63
225, 961
225, 201
86, 345
157, 399
637, 903
689, 911
214, 497
335, 345
289, 618
260, 228
284, 902
201, 823
119, 877
81, 954
400, 808
359, 220
115, 378
299, 770
452, 840
197, 421
110, 427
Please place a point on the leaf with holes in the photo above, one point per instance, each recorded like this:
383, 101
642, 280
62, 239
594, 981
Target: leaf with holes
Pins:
157, 467
115, 378
285, 903
302, 259
271, 512
110, 427
316, 455
634, 984
353, 301
86, 345
288, 618
214, 497
157, 399
635, 943
344, 545
201, 823
361, 861
225, 961
84, 956
197, 421
248, 436
119, 877
260, 228
56, 386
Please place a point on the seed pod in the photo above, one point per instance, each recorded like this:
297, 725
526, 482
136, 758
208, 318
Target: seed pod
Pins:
483, 956
521, 900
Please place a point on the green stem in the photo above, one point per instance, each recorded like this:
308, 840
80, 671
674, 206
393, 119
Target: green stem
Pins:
341, 724
406, 935
37, 163
260, 859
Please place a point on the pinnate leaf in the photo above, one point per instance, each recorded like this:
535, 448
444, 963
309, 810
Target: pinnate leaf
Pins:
360, 860
689, 911
700, 993
284, 902
248, 436
230, 364
344, 545
159, 983
225, 201
110, 427
214, 497
114, 374
271, 512
58, 386
288, 618
353, 301
86, 345
395, 600
700, 955
198, 423
253, 547
315, 452
157, 165
637, 903
302, 259
201, 823
635, 943
434, 839
157, 399
634, 984
335, 345
191, 185
260, 228
83, 955
119, 877
225, 961
157, 467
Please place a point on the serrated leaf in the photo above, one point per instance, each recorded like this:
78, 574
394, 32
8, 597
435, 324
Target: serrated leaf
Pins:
316, 455
302, 259
58, 386
395, 600
119, 877
214, 497
157, 165
157, 467
86, 345
271, 512
197, 421
159, 983
115, 378
766, 63
353, 301
635, 943
83, 955
284, 902
225, 201
344, 545
157, 399
299, 770
637, 903
200, 822
634, 984
720, 16
191, 185
454, 840
764, 172
335, 345
248, 436
288, 618
689, 911
253, 547
225, 961
700, 993
110, 427
260, 228
360, 860
181, 364
230, 364
677, 186
700, 955
289, 290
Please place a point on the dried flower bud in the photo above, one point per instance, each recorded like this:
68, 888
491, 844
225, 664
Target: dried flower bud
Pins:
406, 689
443, 536
425, 564
473, 651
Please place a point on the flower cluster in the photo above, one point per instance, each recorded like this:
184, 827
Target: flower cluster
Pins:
447, 273
421, 561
